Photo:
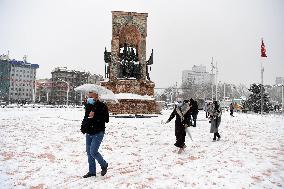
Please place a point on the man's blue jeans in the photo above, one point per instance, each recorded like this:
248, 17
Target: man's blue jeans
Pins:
92, 146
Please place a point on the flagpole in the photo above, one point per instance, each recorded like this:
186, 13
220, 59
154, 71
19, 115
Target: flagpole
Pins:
263, 55
261, 89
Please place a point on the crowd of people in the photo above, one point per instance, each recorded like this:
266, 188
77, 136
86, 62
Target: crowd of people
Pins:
186, 113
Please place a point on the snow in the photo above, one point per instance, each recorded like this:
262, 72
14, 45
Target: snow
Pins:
43, 148
133, 96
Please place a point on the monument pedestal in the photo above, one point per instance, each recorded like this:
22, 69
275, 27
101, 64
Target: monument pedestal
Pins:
144, 104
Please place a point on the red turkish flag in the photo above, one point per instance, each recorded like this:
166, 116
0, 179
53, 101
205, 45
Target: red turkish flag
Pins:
263, 50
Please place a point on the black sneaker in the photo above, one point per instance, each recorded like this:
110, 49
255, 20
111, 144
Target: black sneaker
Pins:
89, 175
218, 138
104, 170
214, 140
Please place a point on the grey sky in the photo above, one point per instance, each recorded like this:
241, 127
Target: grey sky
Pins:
182, 33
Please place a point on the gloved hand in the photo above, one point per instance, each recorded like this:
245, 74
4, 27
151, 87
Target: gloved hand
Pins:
167, 121
83, 130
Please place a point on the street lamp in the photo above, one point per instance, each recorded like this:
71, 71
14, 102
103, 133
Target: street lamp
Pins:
67, 93
282, 97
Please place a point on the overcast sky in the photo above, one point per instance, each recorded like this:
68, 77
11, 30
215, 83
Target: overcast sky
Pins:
182, 33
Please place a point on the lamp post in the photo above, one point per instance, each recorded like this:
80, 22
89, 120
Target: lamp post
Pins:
67, 92
282, 96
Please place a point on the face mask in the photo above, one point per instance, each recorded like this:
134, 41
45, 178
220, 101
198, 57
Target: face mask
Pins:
179, 104
90, 101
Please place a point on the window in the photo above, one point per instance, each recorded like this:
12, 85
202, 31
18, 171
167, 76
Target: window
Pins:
21, 70
27, 94
12, 74
11, 93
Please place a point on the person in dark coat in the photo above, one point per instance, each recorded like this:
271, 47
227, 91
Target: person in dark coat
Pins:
182, 114
215, 117
231, 109
193, 110
96, 115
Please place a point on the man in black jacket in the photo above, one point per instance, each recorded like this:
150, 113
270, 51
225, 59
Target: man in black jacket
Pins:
194, 110
96, 115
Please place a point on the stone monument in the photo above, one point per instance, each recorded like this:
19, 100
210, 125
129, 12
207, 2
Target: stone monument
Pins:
126, 67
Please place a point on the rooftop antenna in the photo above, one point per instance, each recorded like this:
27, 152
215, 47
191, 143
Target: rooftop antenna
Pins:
25, 58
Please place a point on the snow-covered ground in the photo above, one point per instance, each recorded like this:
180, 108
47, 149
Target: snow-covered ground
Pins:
43, 148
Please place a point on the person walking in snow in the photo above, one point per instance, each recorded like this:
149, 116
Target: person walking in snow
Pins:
215, 117
182, 114
193, 110
205, 108
231, 109
96, 115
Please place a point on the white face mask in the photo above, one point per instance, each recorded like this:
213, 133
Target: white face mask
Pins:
179, 104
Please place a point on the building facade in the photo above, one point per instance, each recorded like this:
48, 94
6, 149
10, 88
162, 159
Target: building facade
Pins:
64, 81
198, 76
279, 80
95, 79
17, 80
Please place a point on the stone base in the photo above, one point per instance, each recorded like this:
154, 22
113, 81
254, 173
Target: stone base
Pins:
134, 106
130, 86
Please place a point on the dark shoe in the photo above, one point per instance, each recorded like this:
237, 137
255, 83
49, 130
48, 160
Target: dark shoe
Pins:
214, 140
104, 170
218, 138
89, 175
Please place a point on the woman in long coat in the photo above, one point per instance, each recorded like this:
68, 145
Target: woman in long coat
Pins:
215, 117
182, 114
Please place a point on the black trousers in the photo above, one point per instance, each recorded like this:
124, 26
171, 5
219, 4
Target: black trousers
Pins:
180, 136
231, 112
194, 117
